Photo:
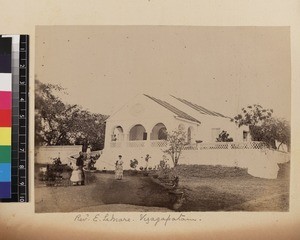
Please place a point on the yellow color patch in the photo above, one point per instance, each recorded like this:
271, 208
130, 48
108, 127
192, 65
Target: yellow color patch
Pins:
5, 136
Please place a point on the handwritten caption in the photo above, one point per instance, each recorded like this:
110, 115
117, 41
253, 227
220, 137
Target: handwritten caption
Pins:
150, 219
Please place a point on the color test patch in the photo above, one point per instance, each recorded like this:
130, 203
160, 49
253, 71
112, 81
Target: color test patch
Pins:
5, 154
5, 100
5, 189
5, 136
5, 82
5, 117
5, 172
5, 55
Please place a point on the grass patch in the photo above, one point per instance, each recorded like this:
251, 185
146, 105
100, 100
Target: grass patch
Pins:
217, 188
205, 171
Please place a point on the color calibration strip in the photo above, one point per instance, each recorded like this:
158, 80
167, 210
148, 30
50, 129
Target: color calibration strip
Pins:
5, 116
14, 121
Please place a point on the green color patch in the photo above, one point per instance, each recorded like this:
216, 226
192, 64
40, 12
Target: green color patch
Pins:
5, 154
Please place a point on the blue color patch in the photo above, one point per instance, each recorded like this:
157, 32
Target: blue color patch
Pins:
5, 172
5, 189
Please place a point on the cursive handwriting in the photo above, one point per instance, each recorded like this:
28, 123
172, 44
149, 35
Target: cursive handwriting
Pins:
143, 218
165, 220
100, 218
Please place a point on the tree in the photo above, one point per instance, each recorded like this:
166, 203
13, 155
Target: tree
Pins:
263, 126
253, 115
49, 113
224, 137
176, 141
275, 129
58, 123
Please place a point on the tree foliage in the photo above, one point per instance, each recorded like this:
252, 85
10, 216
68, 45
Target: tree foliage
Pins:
224, 137
253, 116
176, 141
58, 123
273, 130
263, 126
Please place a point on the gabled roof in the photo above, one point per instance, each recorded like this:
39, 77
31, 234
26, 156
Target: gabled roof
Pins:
173, 109
199, 108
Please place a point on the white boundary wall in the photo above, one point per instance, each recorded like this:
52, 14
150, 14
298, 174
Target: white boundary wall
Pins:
45, 154
260, 162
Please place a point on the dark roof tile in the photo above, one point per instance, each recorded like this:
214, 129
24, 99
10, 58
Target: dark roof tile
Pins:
173, 109
200, 108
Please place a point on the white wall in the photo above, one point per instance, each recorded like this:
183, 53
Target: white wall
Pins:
208, 122
144, 111
45, 154
259, 162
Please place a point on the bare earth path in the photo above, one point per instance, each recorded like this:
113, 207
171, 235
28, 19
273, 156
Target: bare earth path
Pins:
103, 193
206, 188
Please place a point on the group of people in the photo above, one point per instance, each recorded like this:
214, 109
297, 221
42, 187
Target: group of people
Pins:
119, 166
78, 177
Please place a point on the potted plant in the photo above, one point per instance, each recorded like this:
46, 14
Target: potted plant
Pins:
133, 165
146, 168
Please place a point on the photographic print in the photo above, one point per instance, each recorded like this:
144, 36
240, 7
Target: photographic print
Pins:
162, 119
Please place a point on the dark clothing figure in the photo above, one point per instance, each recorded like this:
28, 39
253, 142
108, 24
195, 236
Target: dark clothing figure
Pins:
79, 169
84, 147
79, 161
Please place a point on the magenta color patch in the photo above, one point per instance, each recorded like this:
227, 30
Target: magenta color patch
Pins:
5, 100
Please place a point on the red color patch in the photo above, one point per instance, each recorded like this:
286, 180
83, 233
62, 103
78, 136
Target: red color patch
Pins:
5, 117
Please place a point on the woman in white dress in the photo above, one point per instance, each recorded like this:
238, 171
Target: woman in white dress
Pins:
119, 168
77, 177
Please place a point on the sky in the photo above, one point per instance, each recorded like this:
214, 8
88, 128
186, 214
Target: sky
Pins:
220, 68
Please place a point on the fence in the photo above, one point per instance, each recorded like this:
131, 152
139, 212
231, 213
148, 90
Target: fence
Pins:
139, 143
255, 156
231, 145
200, 146
158, 143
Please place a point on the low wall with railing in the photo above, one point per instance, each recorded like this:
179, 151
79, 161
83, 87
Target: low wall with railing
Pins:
199, 146
231, 145
138, 144
259, 160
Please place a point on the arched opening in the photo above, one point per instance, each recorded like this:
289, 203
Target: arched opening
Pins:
159, 132
117, 134
137, 132
181, 127
190, 135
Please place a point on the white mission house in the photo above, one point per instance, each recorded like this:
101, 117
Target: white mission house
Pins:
138, 128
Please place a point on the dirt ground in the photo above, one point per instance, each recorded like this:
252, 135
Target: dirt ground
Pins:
102, 193
205, 188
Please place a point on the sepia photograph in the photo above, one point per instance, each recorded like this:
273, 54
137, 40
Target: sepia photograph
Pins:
162, 119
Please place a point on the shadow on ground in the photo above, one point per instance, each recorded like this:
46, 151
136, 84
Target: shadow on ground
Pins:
205, 188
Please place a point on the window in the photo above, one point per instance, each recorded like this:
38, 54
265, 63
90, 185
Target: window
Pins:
215, 134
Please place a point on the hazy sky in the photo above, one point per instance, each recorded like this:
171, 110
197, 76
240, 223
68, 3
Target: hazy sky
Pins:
220, 68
